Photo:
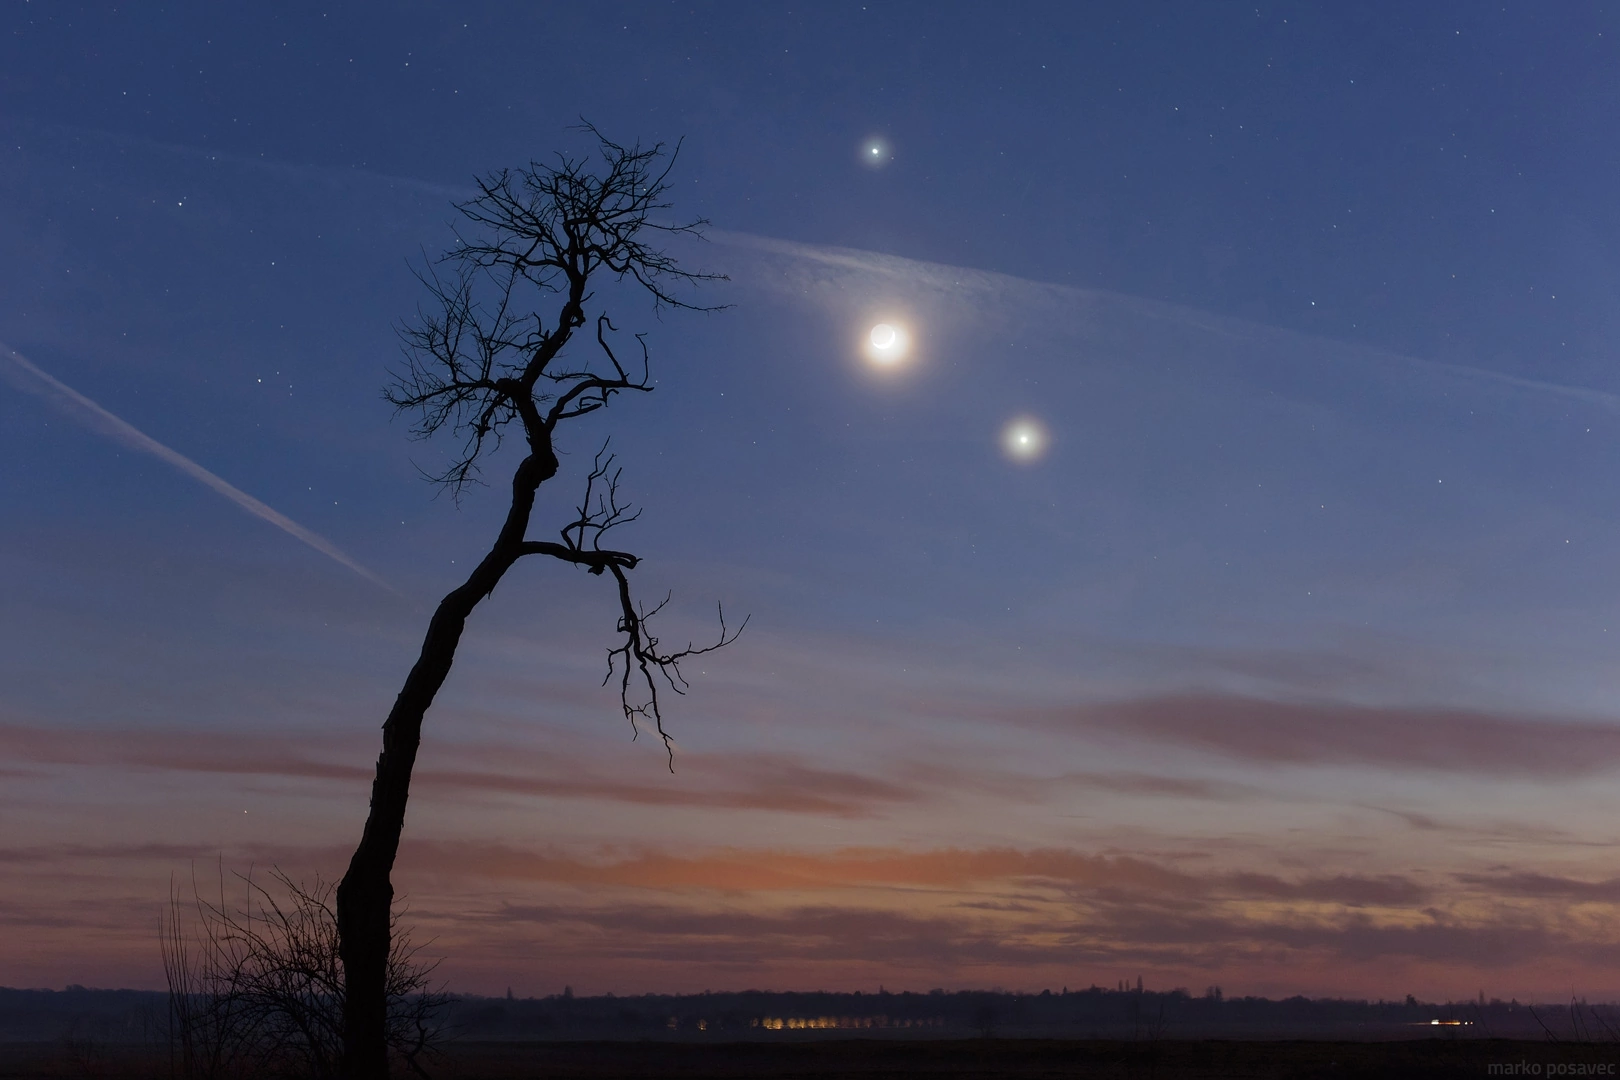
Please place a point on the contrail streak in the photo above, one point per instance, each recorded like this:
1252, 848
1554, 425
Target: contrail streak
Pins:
98, 419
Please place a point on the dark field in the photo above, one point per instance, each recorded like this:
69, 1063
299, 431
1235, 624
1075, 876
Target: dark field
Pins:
970, 1059
958, 1059
121, 1035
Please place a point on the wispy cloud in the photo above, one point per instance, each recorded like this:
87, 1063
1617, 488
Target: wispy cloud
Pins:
1326, 733
780, 782
28, 376
969, 940
842, 917
951, 285
726, 782
830, 264
1072, 873
775, 782
1037, 911
1546, 887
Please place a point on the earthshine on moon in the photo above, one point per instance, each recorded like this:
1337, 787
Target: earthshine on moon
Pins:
887, 343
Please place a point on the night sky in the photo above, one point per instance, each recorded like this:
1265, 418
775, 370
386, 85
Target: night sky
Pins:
1286, 661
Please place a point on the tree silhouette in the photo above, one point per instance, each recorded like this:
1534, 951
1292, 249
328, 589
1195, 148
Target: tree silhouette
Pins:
257, 989
488, 359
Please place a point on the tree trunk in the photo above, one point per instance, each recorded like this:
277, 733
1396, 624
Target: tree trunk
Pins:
365, 896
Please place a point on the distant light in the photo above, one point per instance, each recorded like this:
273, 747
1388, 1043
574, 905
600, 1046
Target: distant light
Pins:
876, 152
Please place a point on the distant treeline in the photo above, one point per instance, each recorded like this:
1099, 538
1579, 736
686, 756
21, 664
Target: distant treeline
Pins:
1094, 1012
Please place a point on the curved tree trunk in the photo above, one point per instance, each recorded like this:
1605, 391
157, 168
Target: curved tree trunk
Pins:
365, 896
474, 368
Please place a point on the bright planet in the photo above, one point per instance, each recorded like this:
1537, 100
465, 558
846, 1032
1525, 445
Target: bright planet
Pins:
876, 152
1024, 439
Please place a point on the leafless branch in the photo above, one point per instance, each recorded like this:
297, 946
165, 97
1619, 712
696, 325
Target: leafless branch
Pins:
257, 989
472, 363
600, 509
640, 664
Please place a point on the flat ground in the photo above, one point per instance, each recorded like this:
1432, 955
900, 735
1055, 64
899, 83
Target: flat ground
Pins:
964, 1059
1028, 1059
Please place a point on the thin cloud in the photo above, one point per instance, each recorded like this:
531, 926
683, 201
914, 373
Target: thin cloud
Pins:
1546, 887
56, 853
773, 782
955, 284
1153, 786
190, 751
1314, 733
26, 375
945, 279
1071, 873
1023, 942
975, 914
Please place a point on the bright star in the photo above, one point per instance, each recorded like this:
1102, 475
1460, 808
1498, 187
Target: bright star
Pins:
876, 152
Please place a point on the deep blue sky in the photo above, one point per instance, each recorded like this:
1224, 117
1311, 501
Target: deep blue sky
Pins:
1296, 643
1430, 176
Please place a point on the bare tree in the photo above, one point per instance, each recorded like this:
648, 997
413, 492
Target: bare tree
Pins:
488, 359
257, 990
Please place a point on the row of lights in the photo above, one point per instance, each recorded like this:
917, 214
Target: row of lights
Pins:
833, 1023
